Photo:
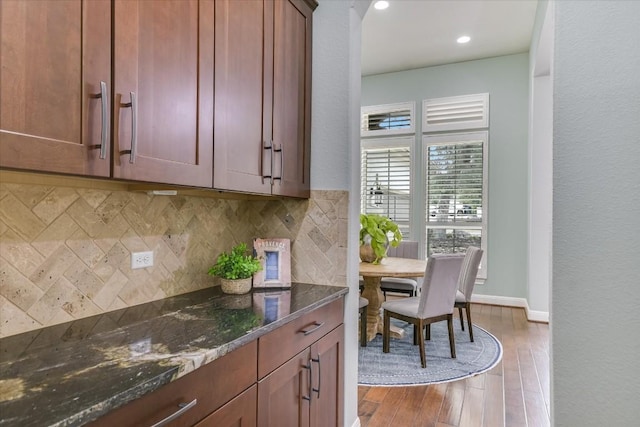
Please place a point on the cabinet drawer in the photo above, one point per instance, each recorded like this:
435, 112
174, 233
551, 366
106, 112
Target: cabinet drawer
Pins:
280, 345
209, 384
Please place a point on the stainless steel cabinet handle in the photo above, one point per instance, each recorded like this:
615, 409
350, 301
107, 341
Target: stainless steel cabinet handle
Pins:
312, 330
308, 368
184, 407
134, 127
281, 151
104, 137
317, 390
270, 176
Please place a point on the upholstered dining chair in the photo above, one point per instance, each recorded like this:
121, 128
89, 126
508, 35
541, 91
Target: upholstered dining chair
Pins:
404, 285
466, 283
362, 308
434, 304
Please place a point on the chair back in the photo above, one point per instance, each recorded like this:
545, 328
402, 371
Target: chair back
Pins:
469, 271
440, 285
405, 249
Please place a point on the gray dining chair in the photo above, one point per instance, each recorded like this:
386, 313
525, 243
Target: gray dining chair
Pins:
466, 283
404, 285
434, 304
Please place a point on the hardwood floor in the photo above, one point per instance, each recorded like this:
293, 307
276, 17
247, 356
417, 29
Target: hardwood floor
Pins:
515, 393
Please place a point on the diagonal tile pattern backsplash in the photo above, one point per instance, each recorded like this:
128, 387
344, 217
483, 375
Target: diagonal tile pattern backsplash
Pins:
65, 252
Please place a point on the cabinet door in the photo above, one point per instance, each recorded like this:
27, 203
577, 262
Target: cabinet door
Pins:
284, 395
240, 159
240, 412
327, 360
163, 91
53, 57
292, 97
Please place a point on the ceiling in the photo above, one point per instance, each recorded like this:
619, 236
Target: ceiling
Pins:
422, 33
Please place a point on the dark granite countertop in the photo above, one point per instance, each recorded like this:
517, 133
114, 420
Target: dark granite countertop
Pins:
72, 373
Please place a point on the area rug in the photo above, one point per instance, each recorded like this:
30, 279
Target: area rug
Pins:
401, 367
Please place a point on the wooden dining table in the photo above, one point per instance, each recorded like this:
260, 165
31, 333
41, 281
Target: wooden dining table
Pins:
372, 275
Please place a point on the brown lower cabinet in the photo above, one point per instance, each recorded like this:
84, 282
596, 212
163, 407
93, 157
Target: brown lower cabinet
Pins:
292, 376
307, 389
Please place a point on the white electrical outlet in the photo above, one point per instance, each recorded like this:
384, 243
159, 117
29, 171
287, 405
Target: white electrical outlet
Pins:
141, 259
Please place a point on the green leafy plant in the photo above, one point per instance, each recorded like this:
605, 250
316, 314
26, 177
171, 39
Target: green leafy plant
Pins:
381, 231
239, 264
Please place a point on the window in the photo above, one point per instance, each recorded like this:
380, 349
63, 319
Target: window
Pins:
388, 119
456, 187
386, 179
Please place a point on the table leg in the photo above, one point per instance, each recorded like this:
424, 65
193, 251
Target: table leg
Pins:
373, 293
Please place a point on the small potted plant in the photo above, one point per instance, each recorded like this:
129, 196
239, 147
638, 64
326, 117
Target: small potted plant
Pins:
235, 269
377, 232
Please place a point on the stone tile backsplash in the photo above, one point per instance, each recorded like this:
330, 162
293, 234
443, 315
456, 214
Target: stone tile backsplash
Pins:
65, 252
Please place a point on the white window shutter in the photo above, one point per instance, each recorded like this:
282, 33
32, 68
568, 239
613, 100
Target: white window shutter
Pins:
388, 119
455, 113
386, 183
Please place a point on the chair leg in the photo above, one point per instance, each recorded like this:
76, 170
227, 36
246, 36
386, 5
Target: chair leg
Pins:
386, 332
428, 331
416, 332
423, 356
468, 306
452, 342
363, 327
461, 318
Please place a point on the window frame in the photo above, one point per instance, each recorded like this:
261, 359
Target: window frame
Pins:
453, 138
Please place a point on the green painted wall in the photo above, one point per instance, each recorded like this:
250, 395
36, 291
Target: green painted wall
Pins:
505, 78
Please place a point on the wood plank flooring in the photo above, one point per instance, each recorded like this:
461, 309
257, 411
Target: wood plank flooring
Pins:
515, 393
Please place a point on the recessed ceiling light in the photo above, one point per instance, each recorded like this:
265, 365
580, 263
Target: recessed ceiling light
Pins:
381, 5
463, 39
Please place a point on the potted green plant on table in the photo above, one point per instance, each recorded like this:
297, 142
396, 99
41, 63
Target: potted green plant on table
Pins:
377, 232
235, 269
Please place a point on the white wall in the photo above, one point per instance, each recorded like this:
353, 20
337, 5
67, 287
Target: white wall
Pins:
540, 166
335, 146
595, 325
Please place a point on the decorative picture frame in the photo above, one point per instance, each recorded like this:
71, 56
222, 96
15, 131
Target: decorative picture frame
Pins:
275, 258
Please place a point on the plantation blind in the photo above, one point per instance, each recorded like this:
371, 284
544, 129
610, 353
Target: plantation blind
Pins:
455, 113
386, 184
455, 181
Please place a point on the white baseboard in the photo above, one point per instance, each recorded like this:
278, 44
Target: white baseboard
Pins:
356, 423
537, 316
532, 315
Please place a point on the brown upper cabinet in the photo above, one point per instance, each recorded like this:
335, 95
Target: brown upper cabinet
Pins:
183, 72
263, 96
55, 78
163, 91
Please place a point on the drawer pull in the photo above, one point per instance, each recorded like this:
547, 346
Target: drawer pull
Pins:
184, 407
312, 330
